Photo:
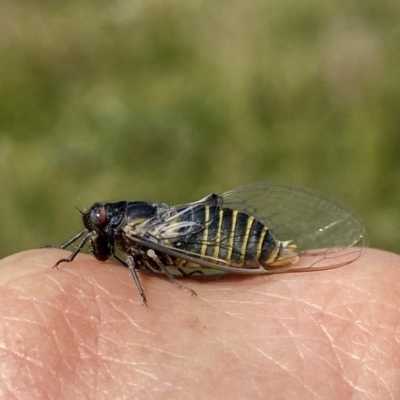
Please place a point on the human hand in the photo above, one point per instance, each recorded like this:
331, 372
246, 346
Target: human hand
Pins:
81, 332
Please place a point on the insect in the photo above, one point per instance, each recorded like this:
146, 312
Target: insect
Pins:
261, 228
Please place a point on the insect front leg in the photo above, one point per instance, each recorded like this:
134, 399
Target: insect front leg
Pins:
152, 255
78, 248
130, 261
68, 242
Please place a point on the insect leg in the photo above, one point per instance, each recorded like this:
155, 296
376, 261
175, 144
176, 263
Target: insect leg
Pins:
186, 274
181, 270
120, 260
151, 254
131, 265
77, 249
68, 242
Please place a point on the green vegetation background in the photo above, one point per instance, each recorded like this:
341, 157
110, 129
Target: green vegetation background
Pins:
171, 100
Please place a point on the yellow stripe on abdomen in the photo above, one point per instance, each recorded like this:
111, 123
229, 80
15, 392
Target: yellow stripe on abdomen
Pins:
231, 235
218, 234
245, 239
260, 242
204, 237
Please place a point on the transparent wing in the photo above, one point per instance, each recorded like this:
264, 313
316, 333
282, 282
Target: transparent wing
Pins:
317, 225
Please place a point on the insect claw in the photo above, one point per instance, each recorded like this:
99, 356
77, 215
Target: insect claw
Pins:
60, 261
49, 246
144, 301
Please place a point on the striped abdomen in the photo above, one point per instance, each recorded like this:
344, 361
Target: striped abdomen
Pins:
232, 236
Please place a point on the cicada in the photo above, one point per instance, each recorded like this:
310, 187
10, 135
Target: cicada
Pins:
261, 228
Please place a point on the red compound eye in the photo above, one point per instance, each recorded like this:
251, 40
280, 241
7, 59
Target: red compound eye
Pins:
98, 216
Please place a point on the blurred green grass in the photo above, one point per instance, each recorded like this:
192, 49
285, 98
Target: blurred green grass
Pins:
168, 101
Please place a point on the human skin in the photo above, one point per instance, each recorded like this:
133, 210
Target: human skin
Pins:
80, 332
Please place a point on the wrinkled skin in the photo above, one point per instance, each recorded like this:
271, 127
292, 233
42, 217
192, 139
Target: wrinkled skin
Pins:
80, 332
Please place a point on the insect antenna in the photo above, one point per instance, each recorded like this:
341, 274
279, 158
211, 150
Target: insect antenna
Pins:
82, 212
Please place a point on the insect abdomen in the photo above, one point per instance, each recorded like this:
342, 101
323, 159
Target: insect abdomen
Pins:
232, 236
